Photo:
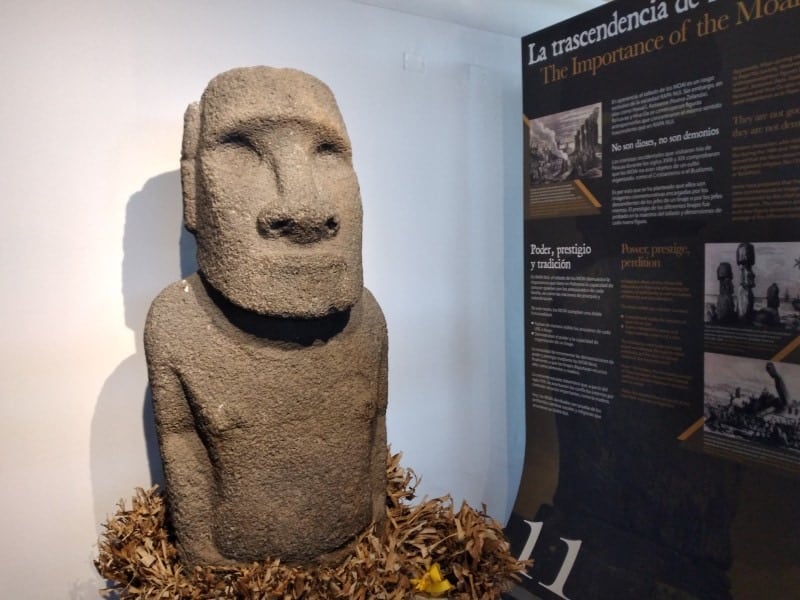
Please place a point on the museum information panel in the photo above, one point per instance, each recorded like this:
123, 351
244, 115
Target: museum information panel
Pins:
662, 311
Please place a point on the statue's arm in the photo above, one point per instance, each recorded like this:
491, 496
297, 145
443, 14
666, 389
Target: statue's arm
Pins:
187, 468
380, 445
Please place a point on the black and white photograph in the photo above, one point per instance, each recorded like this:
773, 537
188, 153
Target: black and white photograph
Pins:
753, 400
753, 284
566, 145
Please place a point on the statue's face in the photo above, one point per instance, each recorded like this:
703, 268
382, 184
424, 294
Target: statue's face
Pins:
278, 211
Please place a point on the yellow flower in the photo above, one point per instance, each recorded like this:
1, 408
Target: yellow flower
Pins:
432, 582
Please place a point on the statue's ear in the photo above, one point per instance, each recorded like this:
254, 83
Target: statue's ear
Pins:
191, 135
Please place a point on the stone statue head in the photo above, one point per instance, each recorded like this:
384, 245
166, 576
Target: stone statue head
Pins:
771, 369
270, 193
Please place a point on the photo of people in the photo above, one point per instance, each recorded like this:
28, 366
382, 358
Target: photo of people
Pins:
753, 400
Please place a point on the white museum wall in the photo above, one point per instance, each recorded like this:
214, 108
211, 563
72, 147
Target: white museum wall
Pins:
91, 118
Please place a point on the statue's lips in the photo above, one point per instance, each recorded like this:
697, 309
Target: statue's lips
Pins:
301, 264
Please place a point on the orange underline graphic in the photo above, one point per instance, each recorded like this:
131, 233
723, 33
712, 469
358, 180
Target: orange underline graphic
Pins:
587, 193
692, 429
791, 347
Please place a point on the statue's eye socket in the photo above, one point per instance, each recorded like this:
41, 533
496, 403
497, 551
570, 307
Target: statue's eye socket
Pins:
329, 148
238, 140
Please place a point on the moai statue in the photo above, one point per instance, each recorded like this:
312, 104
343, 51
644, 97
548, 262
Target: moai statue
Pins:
782, 400
773, 296
746, 258
726, 308
770, 315
268, 366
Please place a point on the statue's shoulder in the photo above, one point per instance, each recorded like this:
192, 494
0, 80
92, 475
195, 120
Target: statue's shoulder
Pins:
176, 310
371, 310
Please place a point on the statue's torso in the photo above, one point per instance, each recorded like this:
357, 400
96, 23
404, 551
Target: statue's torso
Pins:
289, 430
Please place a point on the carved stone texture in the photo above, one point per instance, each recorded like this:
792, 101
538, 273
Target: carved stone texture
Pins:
268, 366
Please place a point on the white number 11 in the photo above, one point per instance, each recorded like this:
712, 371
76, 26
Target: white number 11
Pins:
573, 547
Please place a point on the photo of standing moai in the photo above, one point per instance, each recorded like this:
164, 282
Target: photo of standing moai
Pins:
763, 291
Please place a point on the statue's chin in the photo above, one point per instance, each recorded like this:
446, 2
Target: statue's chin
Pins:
300, 289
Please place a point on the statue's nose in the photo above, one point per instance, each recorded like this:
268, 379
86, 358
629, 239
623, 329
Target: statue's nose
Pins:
302, 212
301, 228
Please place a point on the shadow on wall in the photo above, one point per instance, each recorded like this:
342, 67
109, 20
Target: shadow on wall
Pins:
123, 431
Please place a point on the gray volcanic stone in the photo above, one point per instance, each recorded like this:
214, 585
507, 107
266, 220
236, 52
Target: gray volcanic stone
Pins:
268, 367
